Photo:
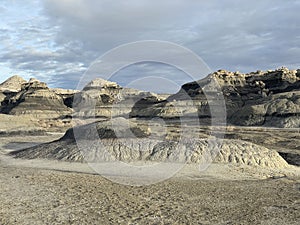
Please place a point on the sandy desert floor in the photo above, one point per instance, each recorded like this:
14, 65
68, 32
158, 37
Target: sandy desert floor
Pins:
48, 192
31, 196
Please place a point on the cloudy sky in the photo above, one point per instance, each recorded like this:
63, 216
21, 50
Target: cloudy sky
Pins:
57, 40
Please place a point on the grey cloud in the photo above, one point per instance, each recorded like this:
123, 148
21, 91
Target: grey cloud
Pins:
213, 29
2, 9
235, 35
153, 76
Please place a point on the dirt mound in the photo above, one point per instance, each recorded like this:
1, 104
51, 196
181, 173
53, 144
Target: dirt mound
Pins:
130, 150
130, 143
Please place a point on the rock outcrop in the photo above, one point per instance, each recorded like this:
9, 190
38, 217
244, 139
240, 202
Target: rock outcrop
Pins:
100, 83
128, 142
101, 98
2, 97
278, 110
66, 94
261, 98
12, 84
37, 100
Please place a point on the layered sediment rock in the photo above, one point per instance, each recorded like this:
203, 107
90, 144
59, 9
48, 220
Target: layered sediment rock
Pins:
37, 100
66, 94
101, 98
273, 100
268, 98
262, 98
278, 110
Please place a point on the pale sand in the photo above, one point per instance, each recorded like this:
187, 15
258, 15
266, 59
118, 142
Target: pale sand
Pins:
31, 196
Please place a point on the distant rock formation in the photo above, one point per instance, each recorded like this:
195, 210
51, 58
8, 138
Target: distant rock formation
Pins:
37, 100
100, 83
269, 98
101, 98
12, 84
66, 94
261, 98
108, 144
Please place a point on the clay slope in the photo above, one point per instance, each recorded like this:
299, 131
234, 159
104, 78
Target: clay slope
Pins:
129, 143
261, 98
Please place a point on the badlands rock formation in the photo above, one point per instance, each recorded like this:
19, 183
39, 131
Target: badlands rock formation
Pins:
101, 98
66, 94
106, 141
37, 100
262, 98
12, 84
278, 110
268, 98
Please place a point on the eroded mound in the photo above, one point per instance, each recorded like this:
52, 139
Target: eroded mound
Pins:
144, 149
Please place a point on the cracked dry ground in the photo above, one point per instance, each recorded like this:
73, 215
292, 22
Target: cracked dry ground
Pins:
36, 196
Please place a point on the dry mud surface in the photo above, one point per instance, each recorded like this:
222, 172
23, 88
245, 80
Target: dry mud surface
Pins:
31, 196
51, 192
